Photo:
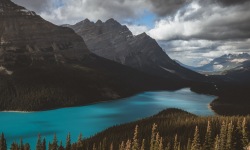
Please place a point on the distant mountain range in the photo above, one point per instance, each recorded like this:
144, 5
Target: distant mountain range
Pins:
115, 42
221, 64
44, 66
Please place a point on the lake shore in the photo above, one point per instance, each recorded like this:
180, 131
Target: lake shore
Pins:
225, 108
15, 111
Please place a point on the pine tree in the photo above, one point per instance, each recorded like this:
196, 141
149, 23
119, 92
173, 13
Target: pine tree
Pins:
3, 145
122, 146
79, 145
14, 146
73, 146
44, 144
160, 144
196, 140
208, 137
179, 146
238, 135
54, 145
135, 145
94, 147
244, 134
229, 140
111, 146
217, 143
21, 146
50, 146
157, 141
61, 146
176, 142
143, 145
153, 136
168, 147
189, 144
26, 146
68, 142
223, 135
128, 145
103, 144
39, 143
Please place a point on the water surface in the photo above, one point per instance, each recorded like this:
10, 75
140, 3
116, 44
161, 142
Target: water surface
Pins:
94, 118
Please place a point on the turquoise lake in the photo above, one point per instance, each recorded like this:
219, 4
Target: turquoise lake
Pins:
94, 118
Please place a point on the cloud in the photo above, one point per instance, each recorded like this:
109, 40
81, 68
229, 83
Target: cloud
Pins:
204, 31
137, 29
223, 2
72, 11
212, 23
199, 52
167, 7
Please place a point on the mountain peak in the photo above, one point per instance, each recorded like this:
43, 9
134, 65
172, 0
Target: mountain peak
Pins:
86, 20
112, 21
99, 22
8, 8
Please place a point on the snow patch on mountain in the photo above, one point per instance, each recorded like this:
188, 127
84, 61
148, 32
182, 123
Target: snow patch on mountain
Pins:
4, 70
218, 67
239, 60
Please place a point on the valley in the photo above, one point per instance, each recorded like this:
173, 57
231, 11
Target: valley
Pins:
112, 81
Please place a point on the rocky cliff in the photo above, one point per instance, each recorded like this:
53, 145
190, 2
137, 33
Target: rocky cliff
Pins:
26, 38
114, 41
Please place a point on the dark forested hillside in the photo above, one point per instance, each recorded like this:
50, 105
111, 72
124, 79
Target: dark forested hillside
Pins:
41, 87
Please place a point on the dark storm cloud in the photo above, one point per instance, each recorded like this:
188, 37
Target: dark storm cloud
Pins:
167, 7
35, 5
224, 2
211, 22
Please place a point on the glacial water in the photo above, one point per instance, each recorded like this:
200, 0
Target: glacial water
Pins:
94, 118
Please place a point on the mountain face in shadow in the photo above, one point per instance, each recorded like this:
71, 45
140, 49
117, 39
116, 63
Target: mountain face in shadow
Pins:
44, 66
26, 39
115, 42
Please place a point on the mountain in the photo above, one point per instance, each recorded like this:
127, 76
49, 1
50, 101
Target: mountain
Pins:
115, 42
44, 66
185, 66
223, 63
240, 73
233, 91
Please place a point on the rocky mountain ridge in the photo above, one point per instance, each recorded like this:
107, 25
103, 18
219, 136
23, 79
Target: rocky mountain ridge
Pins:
116, 42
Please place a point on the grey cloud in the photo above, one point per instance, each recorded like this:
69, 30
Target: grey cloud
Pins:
35, 5
223, 2
198, 52
211, 22
167, 7
229, 23
72, 11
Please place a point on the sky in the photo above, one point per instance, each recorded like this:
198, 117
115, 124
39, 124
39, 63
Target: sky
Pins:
191, 31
